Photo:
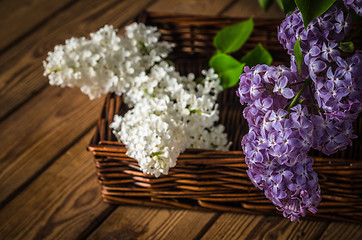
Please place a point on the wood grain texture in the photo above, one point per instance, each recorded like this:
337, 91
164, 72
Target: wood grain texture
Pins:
39, 131
21, 69
339, 230
193, 7
243, 226
60, 204
40, 124
18, 17
247, 9
132, 222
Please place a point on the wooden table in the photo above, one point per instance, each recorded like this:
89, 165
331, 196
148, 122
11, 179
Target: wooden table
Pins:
48, 187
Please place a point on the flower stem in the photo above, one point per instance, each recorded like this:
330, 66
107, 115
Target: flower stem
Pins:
295, 99
293, 84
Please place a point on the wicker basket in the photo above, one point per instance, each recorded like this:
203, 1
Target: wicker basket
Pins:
214, 180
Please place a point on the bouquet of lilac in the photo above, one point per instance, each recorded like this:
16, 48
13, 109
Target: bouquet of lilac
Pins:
168, 112
312, 104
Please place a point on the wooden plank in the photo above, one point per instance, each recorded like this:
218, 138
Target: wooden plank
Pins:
339, 230
244, 226
128, 222
21, 70
247, 9
200, 7
18, 17
61, 203
39, 131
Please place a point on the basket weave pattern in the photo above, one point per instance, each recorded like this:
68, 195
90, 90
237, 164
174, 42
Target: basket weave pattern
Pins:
215, 180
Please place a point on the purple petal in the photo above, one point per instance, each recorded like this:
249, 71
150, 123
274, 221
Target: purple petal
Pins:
253, 110
283, 82
267, 102
288, 174
341, 62
283, 149
256, 80
282, 112
305, 123
296, 143
319, 66
301, 180
340, 17
277, 126
258, 157
330, 73
288, 93
282, 194
288, 123
277, 178
292, 186
340, 138
314, 51
329, 85
297, 108
272, 116
244, 89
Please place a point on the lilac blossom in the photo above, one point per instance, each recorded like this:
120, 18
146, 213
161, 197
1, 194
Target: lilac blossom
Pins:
336, 83
293, 181
289, 113
316, 66
280, 88
329, 27
330, 135
278, 141
329, 51
338, 93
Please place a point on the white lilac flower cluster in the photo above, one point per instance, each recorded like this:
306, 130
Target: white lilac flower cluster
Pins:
106, 62
169, 112
175, 114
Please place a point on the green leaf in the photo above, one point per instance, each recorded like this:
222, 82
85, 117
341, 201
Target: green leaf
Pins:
288, 6
228, 68
280, 3
258, 55
346, 46
231, 38
221, 62
231, 77
312, 9
265, 4
298, 56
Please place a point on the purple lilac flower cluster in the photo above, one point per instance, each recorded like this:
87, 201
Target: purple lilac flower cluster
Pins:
276, 146
289, 113
336, 79
323, 32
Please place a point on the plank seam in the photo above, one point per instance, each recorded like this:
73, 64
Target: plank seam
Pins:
19, 105
319, 236
37, 174
208, 225
98, 221
36, 27
227, 7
